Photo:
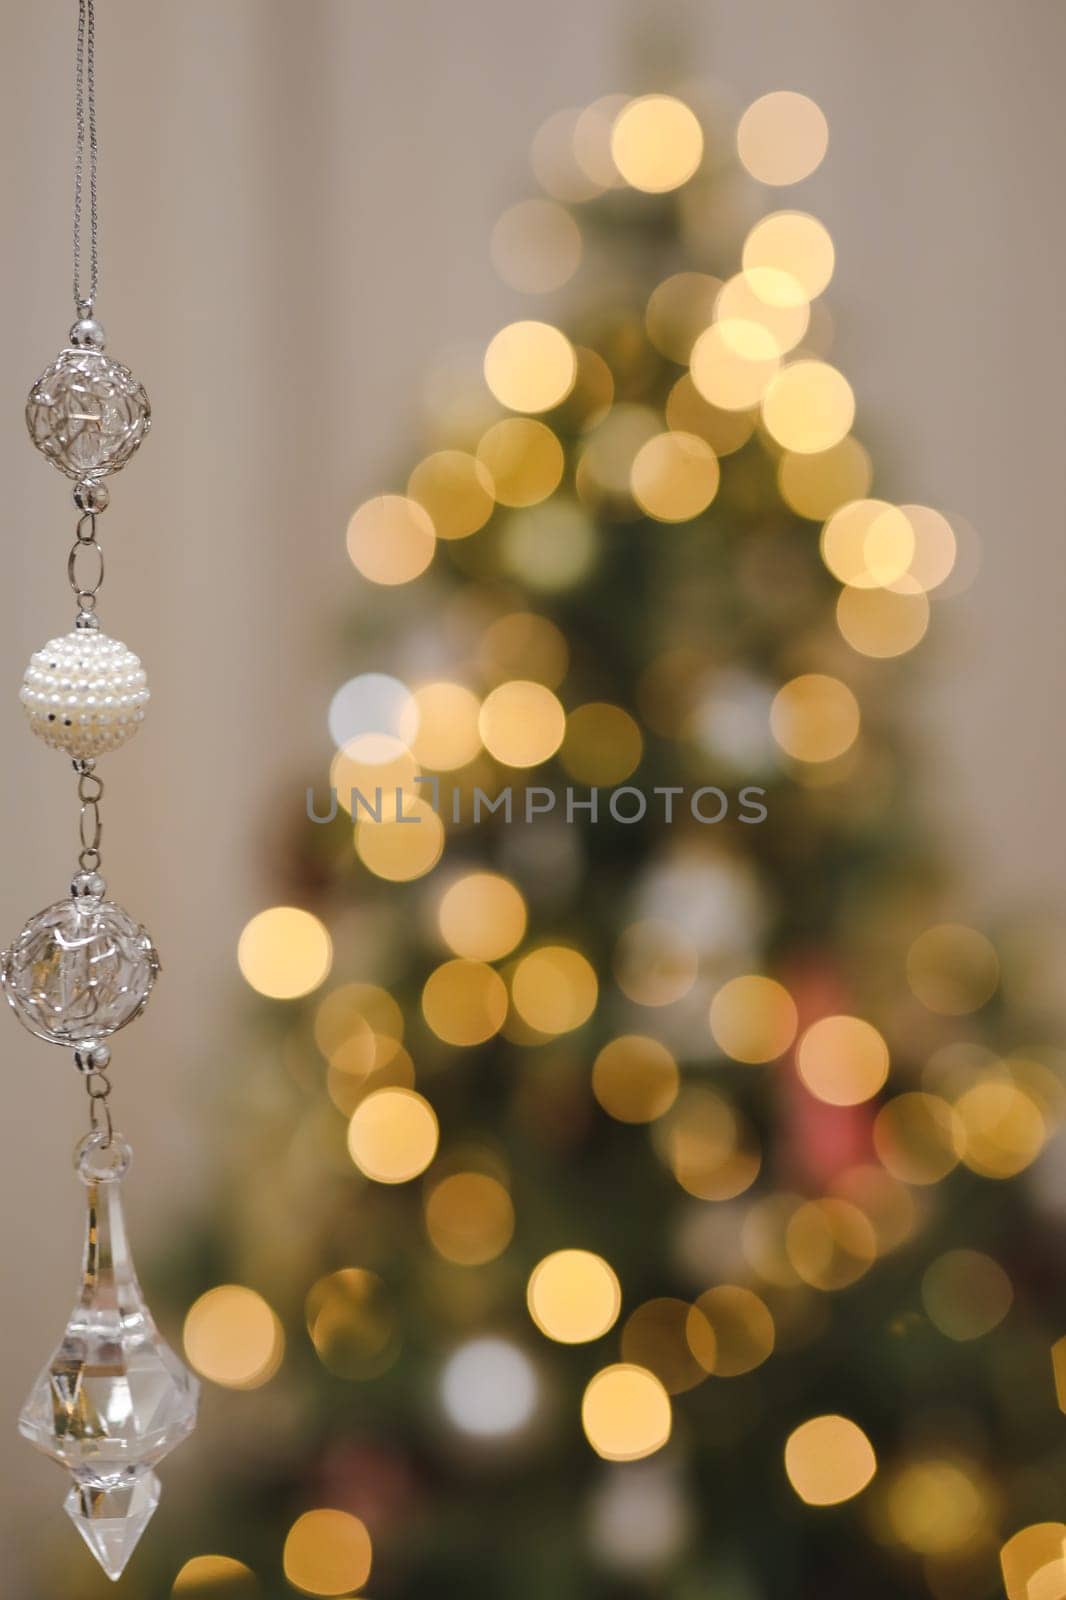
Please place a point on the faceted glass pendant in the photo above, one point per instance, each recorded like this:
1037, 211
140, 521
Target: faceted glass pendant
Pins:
79, 970
87, 413
114, 1398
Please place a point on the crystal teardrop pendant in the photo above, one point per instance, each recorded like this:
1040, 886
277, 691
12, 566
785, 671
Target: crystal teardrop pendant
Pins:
114, 1399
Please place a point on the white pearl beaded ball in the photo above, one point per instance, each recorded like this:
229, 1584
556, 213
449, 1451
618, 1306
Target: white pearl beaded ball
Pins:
85, 693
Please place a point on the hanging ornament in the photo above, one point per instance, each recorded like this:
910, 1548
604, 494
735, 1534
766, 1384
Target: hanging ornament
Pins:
113, 1399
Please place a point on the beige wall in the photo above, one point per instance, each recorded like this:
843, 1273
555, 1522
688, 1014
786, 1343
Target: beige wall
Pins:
296, 206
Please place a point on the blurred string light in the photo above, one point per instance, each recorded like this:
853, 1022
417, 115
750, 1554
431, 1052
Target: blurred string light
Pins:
730, 1330
656, 143
391, 539
327, 1552
817, 483
966, 1294
782, 137
808, 407
937, 1504
218, 1576
523, 459
554, 989
233, 1337
1033, 1564
770, 300
522, 639
371, 762
655, 1336
469, 1218
530, 366
678, 311
464, 1002
521, 723
794, 245
456, 492
482, 916
550, 547
655, 962
626, 1413
489, 1388
372, 702
536, 246
953, 969
284, 952
439, 725
635, 1078
829, 1459
687, 411
753, 1019
815, 718
352, 1323
401, 849
842, 1060
603, 744
573, 1296
709, 1145
393, 1135
674, 477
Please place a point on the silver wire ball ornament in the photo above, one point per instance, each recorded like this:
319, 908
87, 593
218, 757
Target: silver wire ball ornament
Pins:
87, 413
79, 970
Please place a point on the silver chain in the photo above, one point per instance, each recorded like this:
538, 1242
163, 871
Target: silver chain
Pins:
85, 121
90, 823
86, 547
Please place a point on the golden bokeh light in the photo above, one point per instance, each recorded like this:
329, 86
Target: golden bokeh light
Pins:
883, 622
656, 143
327, 1553
530, 366
1028, 1553
536, 246
679, 309
966, 1294
830, 1243
867, 543
464, 1002
915, 1137
284, 952
753, 1019
730, 1331
592, 140
232, 1337
391, 539
523, 643
815, 718
842, 1060
635, 1078
553, 159
521, 723
603, 744
773, 300
554, 989
456, 491
655, 962
352, 1323
370, 763
482, 916
782, 137
655, 1336
360, 1021
469, 1218
817, 483
828, 1460
674, 477
999, 1130
524, 460
573, 1296
589, 401
626, 1413
953, 969
393, 1135
220, 1577
439, 725
808, 407
404, 847
732, 366
935, 546
688, 412
935, 1505
605, 468
551, 546
710, 1147
795, 244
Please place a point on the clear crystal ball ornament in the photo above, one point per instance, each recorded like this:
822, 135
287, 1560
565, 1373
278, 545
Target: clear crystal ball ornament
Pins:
79, 970
114, 1399
87, 413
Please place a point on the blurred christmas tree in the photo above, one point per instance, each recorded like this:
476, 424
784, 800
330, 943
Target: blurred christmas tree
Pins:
620, 1203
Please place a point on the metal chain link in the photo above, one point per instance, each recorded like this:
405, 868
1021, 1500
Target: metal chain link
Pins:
98, 1088
86, 587
85, 120
90, 822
